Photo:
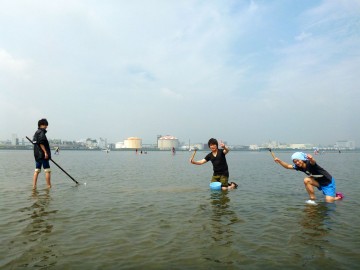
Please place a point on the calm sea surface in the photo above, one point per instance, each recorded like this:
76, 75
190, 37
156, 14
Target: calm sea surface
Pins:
155, 211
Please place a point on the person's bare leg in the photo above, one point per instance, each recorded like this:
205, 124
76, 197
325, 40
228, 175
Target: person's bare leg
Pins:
331, 199
35, 177
309, 186
48, 177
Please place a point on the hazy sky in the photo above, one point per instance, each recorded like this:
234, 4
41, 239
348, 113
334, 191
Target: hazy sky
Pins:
242, 71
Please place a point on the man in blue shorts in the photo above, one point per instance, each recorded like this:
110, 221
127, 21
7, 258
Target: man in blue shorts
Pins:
316, 176
42, 153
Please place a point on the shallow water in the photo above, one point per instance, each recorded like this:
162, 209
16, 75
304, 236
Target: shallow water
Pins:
156, 211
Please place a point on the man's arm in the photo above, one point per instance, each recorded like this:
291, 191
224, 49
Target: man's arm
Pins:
284, 164
311, 159
225, 148
199, 162
44, 150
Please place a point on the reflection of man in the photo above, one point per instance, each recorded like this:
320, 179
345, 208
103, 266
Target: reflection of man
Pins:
40, 227
315, 220
222, 219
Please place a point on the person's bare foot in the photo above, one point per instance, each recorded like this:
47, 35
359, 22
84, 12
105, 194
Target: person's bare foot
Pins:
233, 185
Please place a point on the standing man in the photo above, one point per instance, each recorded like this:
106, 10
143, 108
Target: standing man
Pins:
42, 153
220, 167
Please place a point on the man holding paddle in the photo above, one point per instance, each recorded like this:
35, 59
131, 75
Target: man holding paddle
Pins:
42, 153
316, 176
217, 157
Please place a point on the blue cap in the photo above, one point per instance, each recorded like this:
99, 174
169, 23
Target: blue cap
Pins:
299, 155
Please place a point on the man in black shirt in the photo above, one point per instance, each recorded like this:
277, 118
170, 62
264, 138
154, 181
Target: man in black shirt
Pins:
217, 157
42, 153
316, 176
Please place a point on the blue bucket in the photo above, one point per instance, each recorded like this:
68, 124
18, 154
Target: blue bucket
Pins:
215, 186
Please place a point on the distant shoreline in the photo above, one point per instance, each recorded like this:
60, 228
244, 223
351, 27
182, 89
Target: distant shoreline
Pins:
20, 147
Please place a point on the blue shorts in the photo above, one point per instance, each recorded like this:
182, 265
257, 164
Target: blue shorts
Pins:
330, 189
42, 162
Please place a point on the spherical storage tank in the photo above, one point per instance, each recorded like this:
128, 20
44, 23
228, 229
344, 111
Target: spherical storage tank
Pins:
133, 142
168, 142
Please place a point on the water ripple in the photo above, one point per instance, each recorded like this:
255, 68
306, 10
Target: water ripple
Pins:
156, 211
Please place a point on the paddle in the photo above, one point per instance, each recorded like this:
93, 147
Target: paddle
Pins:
193, 155
272, 153
57, 164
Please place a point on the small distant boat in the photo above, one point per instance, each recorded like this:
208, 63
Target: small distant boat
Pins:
106, 150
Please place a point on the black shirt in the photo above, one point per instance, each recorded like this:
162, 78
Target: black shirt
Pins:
316, 170
219, 163
40, 138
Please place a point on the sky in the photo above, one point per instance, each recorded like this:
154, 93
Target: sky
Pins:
245, 72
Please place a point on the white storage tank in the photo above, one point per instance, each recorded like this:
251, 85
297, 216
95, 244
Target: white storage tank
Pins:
133, 142
168, 142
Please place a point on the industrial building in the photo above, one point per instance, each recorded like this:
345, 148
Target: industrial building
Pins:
133, 143
168, 142
345, 145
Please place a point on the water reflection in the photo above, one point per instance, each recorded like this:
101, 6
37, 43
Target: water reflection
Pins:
312, 244
39, 223
221, 228
316, 220
33, 246
223, 216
